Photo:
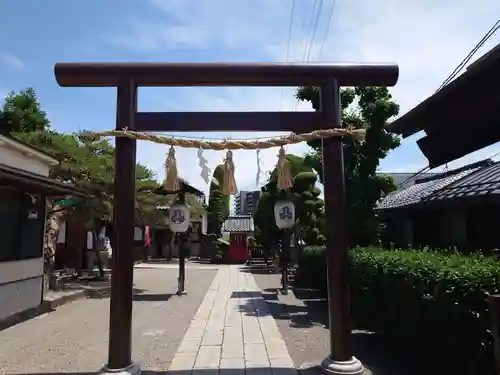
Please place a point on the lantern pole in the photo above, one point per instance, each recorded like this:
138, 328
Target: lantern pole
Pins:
181, 280
286, 260
284, 216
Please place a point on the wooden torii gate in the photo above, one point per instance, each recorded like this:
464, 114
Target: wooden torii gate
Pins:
127, 77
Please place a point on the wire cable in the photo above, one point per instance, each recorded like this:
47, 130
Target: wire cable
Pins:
464, 62
288, 47
315, 28
455, 72
310, 25
327, 29
306, 40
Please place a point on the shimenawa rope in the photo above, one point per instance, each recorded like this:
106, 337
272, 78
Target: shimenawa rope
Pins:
229, 144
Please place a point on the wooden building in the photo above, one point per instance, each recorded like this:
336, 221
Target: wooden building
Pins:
447, 210
460, 118
458, 208
24, 188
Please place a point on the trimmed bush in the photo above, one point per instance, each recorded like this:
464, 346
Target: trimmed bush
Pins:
434, 304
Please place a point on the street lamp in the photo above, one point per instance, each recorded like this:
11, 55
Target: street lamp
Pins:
284, 215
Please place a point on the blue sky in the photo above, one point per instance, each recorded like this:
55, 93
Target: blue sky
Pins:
426, 38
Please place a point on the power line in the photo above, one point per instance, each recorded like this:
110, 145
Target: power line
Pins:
311, 20
314, 22
327, 29
464, 62
315, 28
415, 175
288, 46
453, 74
325, 36
306, 43
290, 31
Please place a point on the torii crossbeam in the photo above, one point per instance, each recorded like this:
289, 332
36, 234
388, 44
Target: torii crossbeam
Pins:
127, 77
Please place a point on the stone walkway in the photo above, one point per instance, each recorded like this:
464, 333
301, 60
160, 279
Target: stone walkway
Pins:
233, 331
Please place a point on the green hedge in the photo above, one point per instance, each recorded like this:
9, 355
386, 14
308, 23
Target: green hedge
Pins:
432, 304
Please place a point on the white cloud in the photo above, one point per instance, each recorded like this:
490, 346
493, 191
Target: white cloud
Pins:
3, 94
11, 62
427, 39
236, 24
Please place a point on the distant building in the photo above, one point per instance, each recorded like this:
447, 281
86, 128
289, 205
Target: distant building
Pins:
245, 202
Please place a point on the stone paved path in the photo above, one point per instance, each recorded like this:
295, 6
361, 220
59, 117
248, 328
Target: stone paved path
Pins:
233, 331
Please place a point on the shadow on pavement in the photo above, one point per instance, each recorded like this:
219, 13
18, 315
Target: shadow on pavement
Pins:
146, 297
160, 261
260, 269
372, 349
201, 261
105, 293
140, 295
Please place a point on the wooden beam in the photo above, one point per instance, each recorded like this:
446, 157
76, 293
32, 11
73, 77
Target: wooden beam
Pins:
223, 74
443, 147
297, 122
470, 110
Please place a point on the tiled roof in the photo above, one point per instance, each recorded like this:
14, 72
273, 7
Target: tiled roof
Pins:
402, 179
242, 224
416, 193
484, 182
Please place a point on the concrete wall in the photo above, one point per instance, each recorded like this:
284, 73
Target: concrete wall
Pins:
21, 284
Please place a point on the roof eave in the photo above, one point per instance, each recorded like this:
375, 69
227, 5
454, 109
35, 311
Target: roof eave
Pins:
414, 120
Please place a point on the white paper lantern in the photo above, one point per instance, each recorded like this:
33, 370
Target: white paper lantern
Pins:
179, 217
284, 214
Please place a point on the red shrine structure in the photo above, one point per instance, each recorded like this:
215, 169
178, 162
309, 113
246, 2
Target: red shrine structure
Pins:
239, 228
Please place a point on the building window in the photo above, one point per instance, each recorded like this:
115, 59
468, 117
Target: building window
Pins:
22, 219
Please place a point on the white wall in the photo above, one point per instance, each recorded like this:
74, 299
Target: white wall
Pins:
24, 157
15, 159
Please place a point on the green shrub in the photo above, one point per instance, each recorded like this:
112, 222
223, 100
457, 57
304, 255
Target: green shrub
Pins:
434, 304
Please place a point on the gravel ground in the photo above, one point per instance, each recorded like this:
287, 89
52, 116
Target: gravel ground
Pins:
74, 337
303, 323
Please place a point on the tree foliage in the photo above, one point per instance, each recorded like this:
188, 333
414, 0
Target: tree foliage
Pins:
22, 112
368, 108
218, 204
85, 160
308, 205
